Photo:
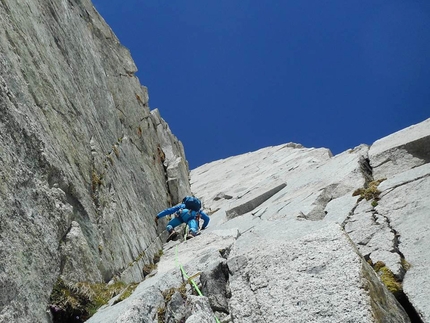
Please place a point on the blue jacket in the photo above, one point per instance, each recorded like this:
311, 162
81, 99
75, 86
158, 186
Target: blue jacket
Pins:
176, 208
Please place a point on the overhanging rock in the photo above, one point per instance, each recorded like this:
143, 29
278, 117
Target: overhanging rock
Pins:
252, 202
402, 150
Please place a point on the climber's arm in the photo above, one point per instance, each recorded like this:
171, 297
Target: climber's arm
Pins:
205, 219
170, 210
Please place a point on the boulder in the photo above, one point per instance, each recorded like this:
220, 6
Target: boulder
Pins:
199, 310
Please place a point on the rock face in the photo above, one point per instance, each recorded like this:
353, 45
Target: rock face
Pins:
296, 234
316, 278
165, 296
85, 165
306, 237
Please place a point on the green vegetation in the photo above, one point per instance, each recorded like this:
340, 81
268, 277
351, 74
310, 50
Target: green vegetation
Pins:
83, 299
391, 281
388, 278
97, 180
125, 294
157, 257
406, 265
140, 256
161, 313
115, 150
110, 158
167, 294
370, 192
147, 269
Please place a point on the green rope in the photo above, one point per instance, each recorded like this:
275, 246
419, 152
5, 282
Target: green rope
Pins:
178, 264
186, 232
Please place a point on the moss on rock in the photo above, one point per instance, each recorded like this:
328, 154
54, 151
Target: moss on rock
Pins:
388, 278
78, 302
126, 293
369, 192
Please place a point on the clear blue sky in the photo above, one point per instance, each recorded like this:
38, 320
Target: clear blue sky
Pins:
232, 76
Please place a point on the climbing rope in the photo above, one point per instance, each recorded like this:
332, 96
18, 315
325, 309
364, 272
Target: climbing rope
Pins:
189, 279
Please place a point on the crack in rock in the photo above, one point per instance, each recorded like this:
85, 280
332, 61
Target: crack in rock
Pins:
253, 203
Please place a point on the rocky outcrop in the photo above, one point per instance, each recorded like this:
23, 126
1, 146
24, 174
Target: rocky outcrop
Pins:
84, 164
166, 295
312, 279
401, 151
329, 242
171, 153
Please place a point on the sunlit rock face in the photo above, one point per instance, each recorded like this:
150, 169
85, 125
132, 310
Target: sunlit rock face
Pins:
300, 235
377, 195
84, 164
296, 234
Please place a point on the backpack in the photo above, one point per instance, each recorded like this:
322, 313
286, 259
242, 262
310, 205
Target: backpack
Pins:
192, 203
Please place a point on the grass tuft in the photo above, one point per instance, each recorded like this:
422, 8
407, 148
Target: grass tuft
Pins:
370, 192
81, 300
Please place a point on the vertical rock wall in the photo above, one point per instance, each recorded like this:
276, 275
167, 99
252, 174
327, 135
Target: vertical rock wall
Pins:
82, 158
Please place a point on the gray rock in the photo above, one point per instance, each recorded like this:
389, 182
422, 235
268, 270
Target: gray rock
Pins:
194, 256
81, 171
199, 310
406, 204
400, 151
221, 195
85, 166
374, 236
312, 279
215, 285
143, 308
403, 158
321, 192
173, 158
175, 311
253, 202
78, 260
385, 308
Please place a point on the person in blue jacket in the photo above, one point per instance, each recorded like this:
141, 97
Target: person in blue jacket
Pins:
183, 215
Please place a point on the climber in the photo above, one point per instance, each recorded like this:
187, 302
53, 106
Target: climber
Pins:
189, 212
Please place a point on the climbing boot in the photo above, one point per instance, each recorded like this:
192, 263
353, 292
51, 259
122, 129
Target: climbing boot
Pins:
172, 236
191, 235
